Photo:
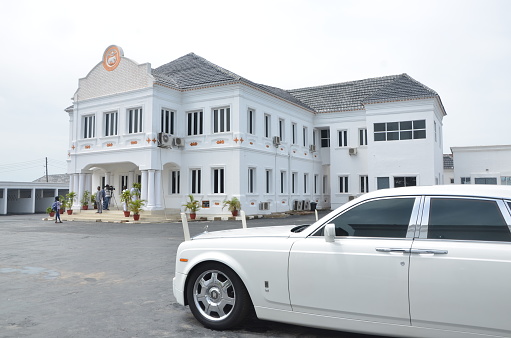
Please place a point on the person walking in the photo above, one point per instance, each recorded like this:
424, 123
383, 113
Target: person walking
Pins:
56, 207
100, 196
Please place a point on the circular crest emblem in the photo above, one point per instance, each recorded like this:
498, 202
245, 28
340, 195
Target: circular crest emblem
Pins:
112, 57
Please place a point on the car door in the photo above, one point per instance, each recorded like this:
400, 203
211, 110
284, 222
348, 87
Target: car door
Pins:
363, 273
460, 267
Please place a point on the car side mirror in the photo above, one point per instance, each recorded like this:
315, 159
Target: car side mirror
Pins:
330, 232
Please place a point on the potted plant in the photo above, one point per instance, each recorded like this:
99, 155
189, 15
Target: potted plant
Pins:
50, 211
62, 199
68, 201
85, 200
135, 206
192, 205
234, 205
125, 199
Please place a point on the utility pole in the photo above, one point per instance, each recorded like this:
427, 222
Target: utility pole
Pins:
46, 169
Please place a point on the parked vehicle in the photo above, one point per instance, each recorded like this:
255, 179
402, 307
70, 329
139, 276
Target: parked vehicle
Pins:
410, 262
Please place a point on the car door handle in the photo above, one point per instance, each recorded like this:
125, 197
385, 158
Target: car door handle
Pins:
429, 251
402, 250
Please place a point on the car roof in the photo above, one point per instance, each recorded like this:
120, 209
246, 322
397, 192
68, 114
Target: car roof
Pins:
469, 190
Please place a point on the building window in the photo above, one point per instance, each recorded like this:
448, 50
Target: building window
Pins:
343, 184
405, 181
124, 181
167, 121
343, 138
362, 137
465, 180
218, 180
281, 129
267, 125
251, 121
111, 123
325, 138
382, 183
305, 141
405, 130
505, 180
282, 182
364, 184
89, 126
196, 180
267, 181
251, 180
293, 183
293, 131
195, 123
485, 180
221, 120
315, 184
434, 122
305, 181
314, 135
175, 182
134, 120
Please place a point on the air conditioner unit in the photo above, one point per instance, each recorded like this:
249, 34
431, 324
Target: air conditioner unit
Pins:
312, 148
164, 140
306, 205
264, 205
352, 151
178, 142
276, 140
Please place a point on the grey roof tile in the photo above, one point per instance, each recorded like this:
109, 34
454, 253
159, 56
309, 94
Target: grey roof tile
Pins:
192, 71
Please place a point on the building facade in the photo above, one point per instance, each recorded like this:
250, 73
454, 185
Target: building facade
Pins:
482, 165
192, 127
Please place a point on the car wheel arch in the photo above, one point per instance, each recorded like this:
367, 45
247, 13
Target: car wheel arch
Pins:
203, 263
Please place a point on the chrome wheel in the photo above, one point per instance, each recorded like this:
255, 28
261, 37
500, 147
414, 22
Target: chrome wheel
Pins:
214, 295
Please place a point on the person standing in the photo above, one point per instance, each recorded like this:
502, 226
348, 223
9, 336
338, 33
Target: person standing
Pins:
56, 207
107, 197
100, 195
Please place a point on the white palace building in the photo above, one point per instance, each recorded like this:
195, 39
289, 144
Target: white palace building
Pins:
192, 127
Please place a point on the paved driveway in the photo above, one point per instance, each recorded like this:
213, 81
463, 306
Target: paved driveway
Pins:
79, 279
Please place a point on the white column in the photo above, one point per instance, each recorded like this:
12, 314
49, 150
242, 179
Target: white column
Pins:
158, 188
32, 195
131, 179
150, 189
143, 192
4, 202
107, 178
81, 188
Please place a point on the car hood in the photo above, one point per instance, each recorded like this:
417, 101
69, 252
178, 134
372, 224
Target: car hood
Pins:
273, 231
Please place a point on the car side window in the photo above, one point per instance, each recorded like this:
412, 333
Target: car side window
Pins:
467, 219
378, 218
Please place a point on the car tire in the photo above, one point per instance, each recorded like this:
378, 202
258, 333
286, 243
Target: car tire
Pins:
217, 297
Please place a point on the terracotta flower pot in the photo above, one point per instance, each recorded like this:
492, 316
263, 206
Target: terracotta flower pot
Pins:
61, 211
52, 213
70, 211
136, 217
234, 213
192, 216
127, 214
85, 207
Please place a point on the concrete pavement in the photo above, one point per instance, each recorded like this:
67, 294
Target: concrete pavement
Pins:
97, 279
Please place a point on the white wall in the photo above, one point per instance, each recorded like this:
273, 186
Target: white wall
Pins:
482, 162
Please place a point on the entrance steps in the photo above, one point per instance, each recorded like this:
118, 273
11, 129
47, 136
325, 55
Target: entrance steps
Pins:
117, 216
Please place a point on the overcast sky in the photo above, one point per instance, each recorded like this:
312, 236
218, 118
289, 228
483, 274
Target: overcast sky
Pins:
460, 49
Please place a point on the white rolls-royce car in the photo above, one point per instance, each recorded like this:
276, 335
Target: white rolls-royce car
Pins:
411, 262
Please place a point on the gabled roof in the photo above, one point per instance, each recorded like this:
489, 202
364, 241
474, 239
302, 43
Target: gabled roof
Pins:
355, 95
192, 71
